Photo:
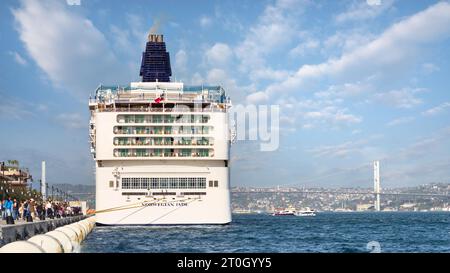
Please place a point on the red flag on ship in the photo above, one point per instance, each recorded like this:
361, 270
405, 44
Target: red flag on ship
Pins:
158, 100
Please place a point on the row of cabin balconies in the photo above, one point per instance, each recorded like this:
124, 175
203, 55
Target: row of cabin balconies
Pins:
186, 118
162, 130
166, 141
165, 153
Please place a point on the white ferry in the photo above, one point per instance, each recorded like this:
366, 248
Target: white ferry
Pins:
306, 212
161, 148
290, 211
284, 212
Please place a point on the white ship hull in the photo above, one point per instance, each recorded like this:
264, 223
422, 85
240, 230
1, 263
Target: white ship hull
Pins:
209, 210
206, 201
118, 206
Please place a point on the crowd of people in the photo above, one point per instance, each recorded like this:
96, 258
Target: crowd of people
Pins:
30, 210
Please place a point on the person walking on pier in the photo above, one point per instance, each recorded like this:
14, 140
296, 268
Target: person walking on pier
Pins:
8, 210
49, 210
25, 210
32, 208
3, 209
20, 214
15, 209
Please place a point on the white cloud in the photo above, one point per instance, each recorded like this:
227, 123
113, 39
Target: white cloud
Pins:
275, 28
437, 110
403, 98
390, 53
309, 114
345, 90
268, 73
13, 108
72, 52
305, 47
219, 54
197, 79
181, 59
346, 149
332, 115
347, 40
221, 77
257, 98
18, 58
398, 121
426, 146
429, 68
122, 39
71, 120
364, 10
205, 21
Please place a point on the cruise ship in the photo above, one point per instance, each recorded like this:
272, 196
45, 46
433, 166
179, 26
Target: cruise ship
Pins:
161, 148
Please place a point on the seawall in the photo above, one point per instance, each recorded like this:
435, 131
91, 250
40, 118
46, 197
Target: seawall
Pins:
51, 236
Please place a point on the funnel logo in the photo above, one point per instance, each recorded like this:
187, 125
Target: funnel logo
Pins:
73, 2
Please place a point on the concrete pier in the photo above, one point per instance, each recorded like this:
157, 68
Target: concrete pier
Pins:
64, 239
26, 230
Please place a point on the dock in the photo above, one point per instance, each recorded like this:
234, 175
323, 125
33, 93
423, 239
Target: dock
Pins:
24, 230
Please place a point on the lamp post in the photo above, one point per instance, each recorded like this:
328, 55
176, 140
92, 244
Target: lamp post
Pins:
3, 170
3, 176
31, 188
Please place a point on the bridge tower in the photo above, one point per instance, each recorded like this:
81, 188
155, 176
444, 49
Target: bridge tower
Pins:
376, 184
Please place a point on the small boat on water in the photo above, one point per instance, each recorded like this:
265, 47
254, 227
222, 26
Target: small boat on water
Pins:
242, 211
306, 212
285, 212
293, 212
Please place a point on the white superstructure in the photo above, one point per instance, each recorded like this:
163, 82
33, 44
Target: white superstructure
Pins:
162, 153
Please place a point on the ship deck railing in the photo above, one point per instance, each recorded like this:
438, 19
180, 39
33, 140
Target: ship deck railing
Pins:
212, 94
108, 108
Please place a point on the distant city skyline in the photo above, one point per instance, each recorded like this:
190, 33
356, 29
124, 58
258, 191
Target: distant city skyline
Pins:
356, 81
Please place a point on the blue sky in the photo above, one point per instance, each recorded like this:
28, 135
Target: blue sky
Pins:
356, 81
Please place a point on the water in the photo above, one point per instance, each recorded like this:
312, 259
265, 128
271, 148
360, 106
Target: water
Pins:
327, 232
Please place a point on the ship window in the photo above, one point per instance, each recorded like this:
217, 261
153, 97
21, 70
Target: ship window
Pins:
183, 183
201, 183
154, 183
126, 182
211, 183
136, 183
146, 183
191, 183
216, 183
111, 184
164, 183
173, 182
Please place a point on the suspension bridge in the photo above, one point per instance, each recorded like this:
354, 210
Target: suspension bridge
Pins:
377, 192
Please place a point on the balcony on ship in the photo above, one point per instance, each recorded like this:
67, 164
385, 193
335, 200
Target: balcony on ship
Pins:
162, 130
186, 118
163, 141
164, 153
